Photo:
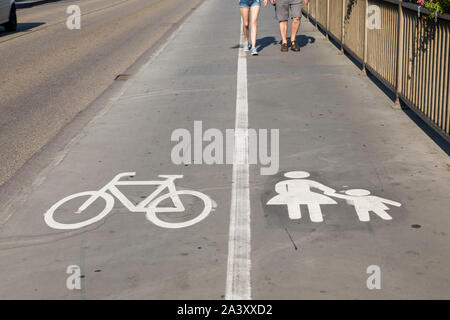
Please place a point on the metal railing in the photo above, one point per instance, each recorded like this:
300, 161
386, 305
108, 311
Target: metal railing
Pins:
408, 51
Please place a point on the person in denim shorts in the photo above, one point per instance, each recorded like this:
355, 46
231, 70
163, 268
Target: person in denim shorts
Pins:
253, 7
286, 9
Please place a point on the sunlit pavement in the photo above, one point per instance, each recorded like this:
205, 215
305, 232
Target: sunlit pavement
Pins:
334, 124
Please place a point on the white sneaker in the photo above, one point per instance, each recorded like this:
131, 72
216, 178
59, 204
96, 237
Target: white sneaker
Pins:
246, 47
254, 52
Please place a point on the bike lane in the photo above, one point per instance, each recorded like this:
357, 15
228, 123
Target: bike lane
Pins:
339, 127
192, 78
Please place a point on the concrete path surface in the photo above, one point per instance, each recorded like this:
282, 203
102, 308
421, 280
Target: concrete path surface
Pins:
312, 241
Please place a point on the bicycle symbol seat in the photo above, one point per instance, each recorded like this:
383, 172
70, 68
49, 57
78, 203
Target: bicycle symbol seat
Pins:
149, 205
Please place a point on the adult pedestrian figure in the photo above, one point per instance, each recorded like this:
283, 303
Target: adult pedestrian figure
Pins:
297, 191
286, 9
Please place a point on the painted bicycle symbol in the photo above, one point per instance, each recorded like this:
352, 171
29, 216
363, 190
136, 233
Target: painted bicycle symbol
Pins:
149, 205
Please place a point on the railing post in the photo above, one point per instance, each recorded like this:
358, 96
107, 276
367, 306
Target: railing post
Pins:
366, 6
398, 85
343, 27
315, 12
328, 19
309, 12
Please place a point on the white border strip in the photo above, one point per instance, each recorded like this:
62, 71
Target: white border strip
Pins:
239, 249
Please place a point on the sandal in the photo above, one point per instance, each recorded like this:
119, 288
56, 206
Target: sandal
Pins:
294, 46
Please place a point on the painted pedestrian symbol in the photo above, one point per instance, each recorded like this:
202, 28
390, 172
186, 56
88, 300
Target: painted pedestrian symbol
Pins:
297, 191
364, 203
150, 205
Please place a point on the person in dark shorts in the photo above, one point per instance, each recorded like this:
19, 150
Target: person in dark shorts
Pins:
286, 9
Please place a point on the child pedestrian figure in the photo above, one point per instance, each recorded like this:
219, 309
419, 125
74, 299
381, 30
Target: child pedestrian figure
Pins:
364, 203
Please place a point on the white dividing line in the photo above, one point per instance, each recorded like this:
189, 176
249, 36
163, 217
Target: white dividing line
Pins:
238, 272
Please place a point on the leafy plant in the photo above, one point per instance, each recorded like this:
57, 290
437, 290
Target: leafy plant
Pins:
436, 6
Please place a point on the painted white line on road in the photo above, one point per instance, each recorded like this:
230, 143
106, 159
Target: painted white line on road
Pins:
239, 249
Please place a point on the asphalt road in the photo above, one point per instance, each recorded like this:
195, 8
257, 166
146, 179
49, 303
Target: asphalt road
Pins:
50, 73
333, 123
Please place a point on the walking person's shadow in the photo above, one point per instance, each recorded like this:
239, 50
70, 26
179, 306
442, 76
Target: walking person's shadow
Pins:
262, 43
303, 40
265, 42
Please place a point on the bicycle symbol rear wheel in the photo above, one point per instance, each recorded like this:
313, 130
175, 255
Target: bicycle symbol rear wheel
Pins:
51, 222
153, 210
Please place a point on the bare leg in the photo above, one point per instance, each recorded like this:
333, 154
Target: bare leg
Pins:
315, 213
254, 23
244, 13
294, 211
294, 28
283, 31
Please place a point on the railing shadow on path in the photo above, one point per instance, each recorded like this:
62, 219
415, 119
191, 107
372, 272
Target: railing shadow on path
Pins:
429, 131
426, 128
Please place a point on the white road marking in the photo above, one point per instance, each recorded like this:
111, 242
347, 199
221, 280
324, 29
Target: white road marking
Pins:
297, 191
238, 285
365, 203
149, 205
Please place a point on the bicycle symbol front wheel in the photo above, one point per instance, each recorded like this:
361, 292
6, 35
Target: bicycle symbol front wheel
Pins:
152, 210
51, 222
